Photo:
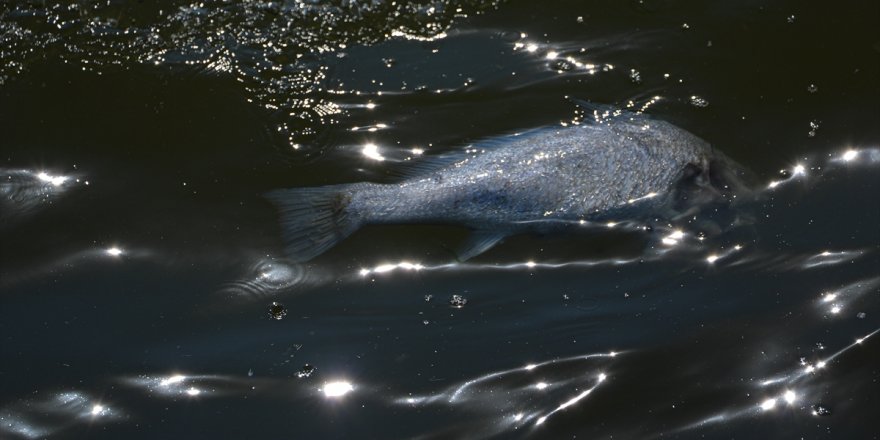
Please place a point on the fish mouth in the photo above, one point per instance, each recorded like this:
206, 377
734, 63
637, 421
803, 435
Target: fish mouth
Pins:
732, 180
716, 188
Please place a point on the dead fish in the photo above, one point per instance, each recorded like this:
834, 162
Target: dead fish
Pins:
622, 167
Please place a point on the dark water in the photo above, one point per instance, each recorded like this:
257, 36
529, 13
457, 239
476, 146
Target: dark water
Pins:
140, 260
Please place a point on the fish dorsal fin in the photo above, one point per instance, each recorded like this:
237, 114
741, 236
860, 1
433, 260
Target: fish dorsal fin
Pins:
478, 242
592, 108
608, 114
421, 166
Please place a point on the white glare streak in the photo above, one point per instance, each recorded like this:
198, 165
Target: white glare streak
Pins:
364, 271
172, 380
193, 391
638, 199
571, 401
835, 310
849, 155
829, 297
789, 395
371, 106
799, 170
97, 410
372, 151
54, 180
541, 385
528, 367
774, 380
673, 238
552, 55
531, 47
337, 389
712, 258
388, 267
574, 400
114, 252
384, 268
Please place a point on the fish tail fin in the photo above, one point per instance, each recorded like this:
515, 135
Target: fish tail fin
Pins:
314, 219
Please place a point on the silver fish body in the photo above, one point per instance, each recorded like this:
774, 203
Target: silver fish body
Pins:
516, 183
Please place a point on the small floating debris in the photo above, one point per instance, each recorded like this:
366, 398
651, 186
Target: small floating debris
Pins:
812, 88
562, 65
698, 101
821, 410
457, 301
305, 371
277, 311
635, 76
814, 126
428, 298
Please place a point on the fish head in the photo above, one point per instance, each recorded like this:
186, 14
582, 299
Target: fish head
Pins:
733, 181
714, 186
712, 176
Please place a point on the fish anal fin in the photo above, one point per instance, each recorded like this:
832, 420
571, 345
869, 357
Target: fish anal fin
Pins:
478, 242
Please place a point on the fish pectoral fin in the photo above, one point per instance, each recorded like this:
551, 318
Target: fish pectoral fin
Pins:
477, 243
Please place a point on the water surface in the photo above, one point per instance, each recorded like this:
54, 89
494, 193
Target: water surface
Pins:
139, 260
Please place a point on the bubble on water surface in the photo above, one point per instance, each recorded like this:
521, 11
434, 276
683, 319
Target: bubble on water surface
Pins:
457, 301
277, 311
